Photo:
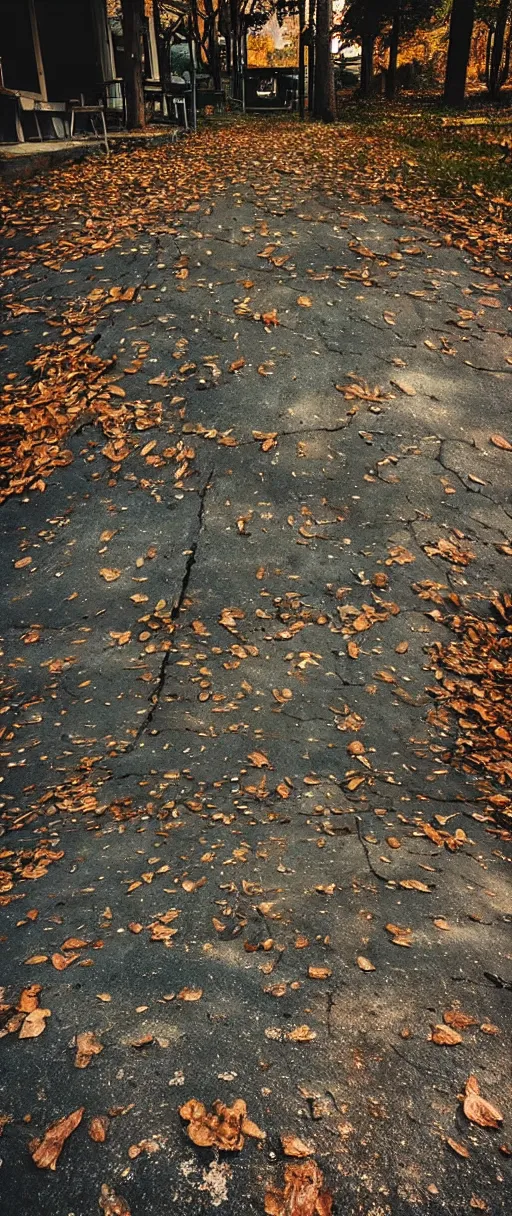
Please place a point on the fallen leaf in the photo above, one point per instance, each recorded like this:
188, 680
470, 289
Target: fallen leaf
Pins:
29, 998
499, 441
259, 760
224, 1127
478, 1109
458, 1019
319, 973
61, 961
46, 1152
109, 573
301, 1034
293, 1146
34, 1024
364, 964
112, 1204
445, 1036
98, 1128
303, 1193
190, 994
460, 1149
87, 1046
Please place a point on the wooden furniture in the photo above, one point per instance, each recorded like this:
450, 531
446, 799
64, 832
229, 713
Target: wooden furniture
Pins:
92, 112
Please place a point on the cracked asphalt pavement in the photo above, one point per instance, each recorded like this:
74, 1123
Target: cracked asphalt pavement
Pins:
180, 776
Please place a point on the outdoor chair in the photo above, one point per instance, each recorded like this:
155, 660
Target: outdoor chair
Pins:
94, 112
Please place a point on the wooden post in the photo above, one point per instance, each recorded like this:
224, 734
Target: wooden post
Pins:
133, 26
311, 55
302, 31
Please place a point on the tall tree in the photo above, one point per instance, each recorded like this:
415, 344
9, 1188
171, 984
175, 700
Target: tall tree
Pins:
402, 18
324, 104
461, 29
133, 33
364, 20
498, 17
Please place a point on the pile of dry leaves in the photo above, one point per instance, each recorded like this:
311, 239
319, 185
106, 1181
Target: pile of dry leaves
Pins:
474, 673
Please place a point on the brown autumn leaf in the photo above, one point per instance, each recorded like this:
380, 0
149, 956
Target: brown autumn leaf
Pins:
224, 1127
34, 1024
98, 1128
293, 1146
460, 1149
303, 1193
405, 388
200, 629
46, 1152
304, 301
352, 650
319, 973
499, 441
236, 365
478, 1109
458, 1019
445, 1036
441, 923
301, 1034
87, 1046
61, 961
400, 936
109, 573
356, 748
364, 964
190, 886
281, 695
283, 790
259, 759
29, 998
36, 958
112, 1204
190, 994
413, 884
229, 618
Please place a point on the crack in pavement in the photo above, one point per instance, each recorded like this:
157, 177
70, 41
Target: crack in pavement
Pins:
175, 611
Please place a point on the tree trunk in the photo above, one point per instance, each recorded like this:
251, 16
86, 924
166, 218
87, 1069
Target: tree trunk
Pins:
394, 40
235, 48
324, 106
311, 55
461, 29
367, 49
163, 48
488, 53
496, 78
302, 31
213, 47
133, 25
